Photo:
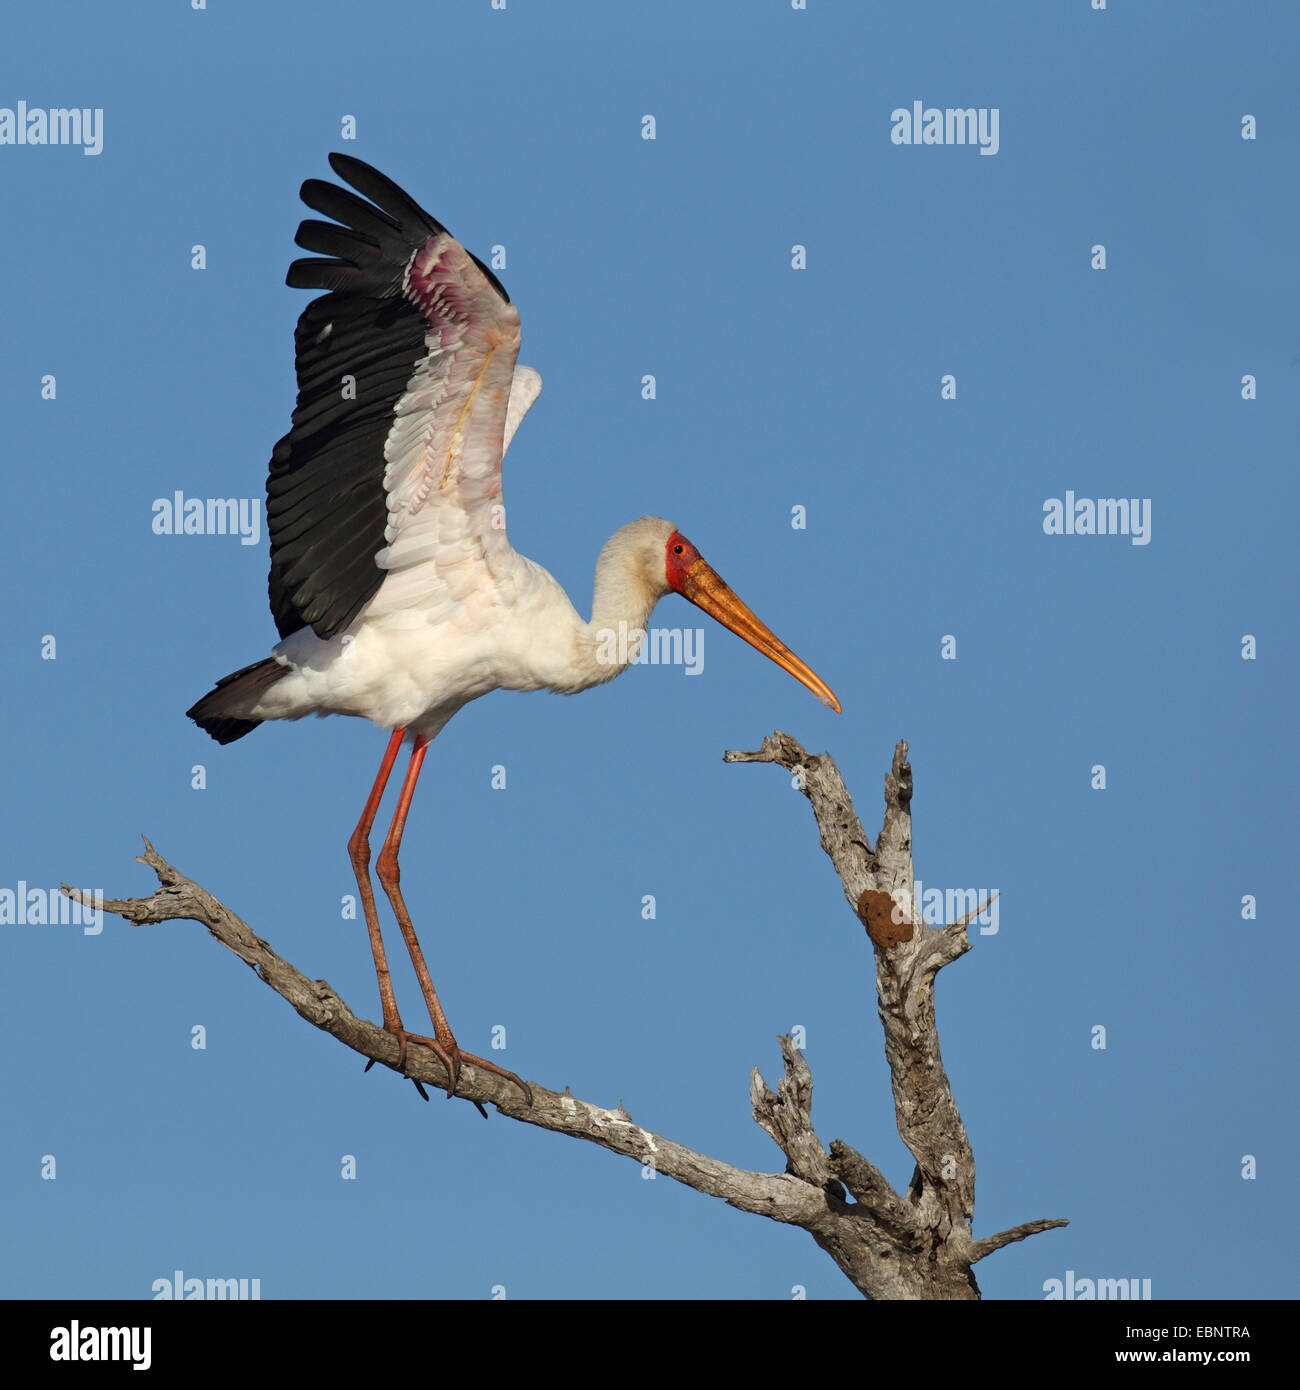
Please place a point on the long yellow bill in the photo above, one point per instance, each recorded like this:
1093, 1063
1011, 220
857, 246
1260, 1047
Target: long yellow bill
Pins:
706, 589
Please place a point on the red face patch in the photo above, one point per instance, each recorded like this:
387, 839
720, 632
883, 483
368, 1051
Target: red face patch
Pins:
680, 556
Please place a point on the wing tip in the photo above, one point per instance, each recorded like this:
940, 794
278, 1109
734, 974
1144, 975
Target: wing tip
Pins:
387, 196
321, 273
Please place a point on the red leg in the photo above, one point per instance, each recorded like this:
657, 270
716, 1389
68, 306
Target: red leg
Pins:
390, 875
359, 853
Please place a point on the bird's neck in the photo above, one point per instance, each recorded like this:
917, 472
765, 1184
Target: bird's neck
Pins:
558, 650
620, 614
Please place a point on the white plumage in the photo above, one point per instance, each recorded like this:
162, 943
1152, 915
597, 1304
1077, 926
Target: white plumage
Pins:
395, 589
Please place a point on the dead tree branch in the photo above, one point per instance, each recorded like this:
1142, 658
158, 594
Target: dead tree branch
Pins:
933, 1225
889, 1246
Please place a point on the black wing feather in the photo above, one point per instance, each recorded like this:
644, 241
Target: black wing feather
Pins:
385, 194
347, 208
345, 243
325, 502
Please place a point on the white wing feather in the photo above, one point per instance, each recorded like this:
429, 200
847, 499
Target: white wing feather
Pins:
446, 535
524, 390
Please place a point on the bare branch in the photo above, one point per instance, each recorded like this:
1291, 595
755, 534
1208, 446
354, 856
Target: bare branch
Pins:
787, 1117
843, 837
989, 1244
965, 921
780, 1196
871, 1190
880, 886
916, 1245
879, 883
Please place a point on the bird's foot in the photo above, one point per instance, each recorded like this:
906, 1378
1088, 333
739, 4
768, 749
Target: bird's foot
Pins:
403, 1038
451, 1057
460, 1056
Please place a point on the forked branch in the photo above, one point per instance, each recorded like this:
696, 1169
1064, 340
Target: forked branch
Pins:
916, 1245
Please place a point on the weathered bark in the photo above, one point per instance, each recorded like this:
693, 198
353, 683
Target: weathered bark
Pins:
926, 1249
913, 1246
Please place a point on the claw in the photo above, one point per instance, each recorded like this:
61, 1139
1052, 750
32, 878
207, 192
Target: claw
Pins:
452, 1058
453, 1070
498, 1071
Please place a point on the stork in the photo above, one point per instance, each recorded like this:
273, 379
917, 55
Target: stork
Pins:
397, 596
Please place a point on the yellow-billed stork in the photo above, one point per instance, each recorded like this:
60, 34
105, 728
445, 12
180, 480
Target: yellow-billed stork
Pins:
397, 596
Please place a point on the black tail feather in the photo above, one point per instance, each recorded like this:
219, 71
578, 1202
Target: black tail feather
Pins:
240, 690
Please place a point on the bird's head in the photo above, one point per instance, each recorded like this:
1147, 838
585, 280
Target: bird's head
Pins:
654, 555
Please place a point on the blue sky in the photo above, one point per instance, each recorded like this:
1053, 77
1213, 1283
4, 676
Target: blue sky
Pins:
776, 388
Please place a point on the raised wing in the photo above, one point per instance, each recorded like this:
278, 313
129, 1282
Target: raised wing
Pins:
524, 390
407, 397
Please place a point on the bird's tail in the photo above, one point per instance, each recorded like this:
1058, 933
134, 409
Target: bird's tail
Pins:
219, 712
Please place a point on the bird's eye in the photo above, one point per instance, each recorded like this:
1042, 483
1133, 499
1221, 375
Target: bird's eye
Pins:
678, 549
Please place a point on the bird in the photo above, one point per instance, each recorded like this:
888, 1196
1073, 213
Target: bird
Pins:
395, 591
